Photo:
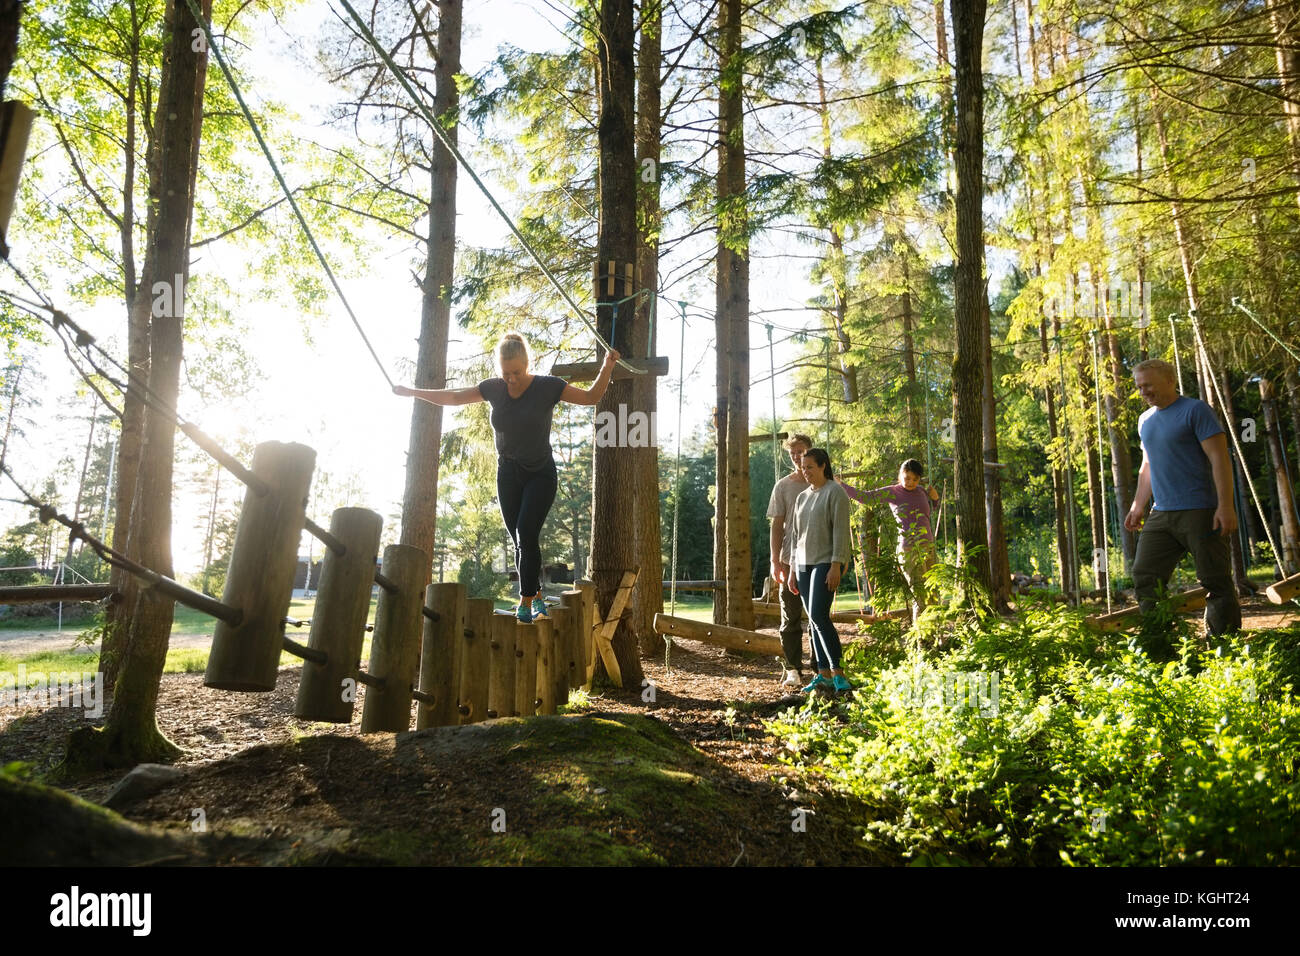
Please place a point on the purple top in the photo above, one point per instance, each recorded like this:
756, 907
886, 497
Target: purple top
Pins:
911, 510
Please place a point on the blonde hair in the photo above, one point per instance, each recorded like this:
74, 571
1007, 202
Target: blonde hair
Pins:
513, 346
1156, 365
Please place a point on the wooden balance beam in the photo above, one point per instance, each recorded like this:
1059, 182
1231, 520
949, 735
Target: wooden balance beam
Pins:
1192, 600
587, 371
1279, 592
721, 635
767, 609
53, 593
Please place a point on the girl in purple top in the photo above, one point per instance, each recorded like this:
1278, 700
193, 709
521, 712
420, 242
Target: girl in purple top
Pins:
911, 505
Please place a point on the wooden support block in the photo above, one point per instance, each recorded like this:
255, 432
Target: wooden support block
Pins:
262, 565
561, 623
501, 669
525, 670
1192, 600
589, 621
1279, 592
440, 656
720, 635
575, 602
476, 660
588, 371
338, 622
395, 650
546, 665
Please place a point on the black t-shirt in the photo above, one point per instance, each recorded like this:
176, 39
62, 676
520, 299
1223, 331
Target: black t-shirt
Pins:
523, 424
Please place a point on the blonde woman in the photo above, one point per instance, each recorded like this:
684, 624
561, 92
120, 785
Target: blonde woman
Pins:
522, 406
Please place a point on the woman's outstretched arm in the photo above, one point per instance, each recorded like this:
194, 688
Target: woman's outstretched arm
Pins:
441, 396
590, 396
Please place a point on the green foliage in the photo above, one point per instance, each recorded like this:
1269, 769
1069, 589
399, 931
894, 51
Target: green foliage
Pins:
1035, 742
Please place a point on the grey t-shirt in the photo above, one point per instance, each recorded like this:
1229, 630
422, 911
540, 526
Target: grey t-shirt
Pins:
781, 505
523, 424
821, 526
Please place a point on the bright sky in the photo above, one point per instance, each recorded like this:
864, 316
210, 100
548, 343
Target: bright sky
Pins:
329, 394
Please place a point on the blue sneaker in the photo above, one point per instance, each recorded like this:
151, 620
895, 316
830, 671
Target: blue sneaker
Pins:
819, 684
842, 685
524, 614
539, 608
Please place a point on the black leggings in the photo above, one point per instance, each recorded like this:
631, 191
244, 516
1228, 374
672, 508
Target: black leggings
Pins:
526, 496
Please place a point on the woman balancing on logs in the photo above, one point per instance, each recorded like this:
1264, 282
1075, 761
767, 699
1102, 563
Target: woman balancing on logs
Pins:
820, 532
522, 404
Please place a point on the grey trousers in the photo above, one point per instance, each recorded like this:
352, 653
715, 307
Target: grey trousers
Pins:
791, 628
1166, 537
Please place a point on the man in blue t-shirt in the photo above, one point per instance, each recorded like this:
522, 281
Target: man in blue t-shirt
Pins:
1185, 465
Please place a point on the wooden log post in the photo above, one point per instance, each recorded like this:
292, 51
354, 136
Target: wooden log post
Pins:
440, 656
574, 603
395, 649
338, 622
561, 627
546, 666
1279, 592
525, 670
1192, 600
15, 127
587, 635
262, 564
735, 638
501, 667
476, 660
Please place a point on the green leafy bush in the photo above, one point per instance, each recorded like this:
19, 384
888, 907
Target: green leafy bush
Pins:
1035, 741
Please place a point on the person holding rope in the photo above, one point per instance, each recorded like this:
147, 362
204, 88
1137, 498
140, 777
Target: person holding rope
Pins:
1187, 471
820, 534
522, 406
780, 509
911, 505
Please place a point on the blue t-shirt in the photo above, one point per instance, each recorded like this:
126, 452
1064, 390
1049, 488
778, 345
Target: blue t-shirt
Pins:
1181, 476
523, 424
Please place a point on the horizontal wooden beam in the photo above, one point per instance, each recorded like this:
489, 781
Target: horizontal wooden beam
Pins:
765, 609
52, 594
587, 371
767, 436
987, 464
1279, 592
735, 638
1192, 600
697, 585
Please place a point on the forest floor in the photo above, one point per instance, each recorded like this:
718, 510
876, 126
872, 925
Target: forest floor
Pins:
690, 777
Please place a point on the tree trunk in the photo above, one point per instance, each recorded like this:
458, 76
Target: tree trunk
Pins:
648, 600
420, 499
733, 311
10, 15
131, 734
1121, 459
613, 538
1286, 31
999, 562
968, 364
1290, 526
914, 425
838, 264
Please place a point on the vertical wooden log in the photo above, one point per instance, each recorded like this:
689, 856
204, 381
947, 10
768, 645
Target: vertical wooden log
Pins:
338, 623
395, 650
546, 666
573, 602
440, 656
475, 662
525, 670
262, 565
501, 669
15, 127
561, 618
587, 636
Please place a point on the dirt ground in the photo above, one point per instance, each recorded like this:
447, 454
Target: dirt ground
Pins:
289, 789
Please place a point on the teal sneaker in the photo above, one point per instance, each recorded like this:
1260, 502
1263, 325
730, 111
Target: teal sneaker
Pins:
539, 608
842, 685
819, 684
524, 614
